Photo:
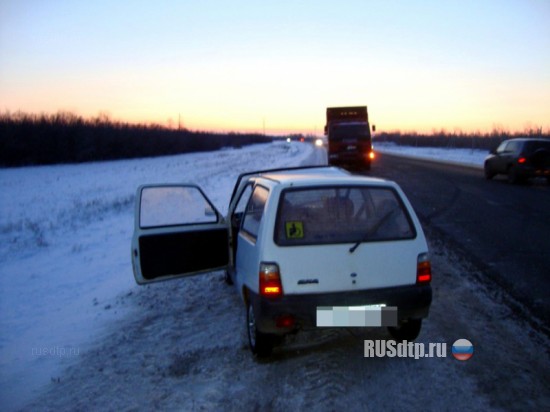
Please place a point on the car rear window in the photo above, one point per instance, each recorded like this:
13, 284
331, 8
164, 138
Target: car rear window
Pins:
532, 146
341, 215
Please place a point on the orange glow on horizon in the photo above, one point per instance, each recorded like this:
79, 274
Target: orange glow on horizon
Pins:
188, 70
280, 127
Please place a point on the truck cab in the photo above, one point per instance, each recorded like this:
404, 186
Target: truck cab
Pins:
349, 137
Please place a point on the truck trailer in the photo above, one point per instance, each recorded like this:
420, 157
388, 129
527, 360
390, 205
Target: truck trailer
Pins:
349, 137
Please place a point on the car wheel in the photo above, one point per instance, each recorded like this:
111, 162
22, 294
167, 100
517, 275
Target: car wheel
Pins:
261, 344
489, 174
408, 330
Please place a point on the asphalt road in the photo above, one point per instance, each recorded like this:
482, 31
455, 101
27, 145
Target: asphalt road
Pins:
503, 230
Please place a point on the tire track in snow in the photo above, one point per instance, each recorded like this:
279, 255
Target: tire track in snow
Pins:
311, 371
186, 349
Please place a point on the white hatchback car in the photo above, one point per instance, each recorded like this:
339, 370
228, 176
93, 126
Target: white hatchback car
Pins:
305, 247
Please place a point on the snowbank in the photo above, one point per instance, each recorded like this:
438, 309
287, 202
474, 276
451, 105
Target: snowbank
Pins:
466, 157
65, 233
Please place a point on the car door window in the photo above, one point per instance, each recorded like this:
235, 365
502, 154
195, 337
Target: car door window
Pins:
513, 147
174, 205
254, 211
238, 213
502, 148
243, 201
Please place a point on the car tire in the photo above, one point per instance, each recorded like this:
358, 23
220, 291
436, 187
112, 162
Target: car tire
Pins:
408, 330
489, 174
261, 344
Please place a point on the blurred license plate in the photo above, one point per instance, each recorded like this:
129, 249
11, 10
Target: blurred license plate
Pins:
356, 316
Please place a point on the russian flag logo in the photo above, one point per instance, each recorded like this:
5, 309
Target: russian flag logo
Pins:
463, 349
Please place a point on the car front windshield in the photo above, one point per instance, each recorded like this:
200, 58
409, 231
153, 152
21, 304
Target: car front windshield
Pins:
341, 215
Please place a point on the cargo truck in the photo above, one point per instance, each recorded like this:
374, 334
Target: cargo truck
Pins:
349, 137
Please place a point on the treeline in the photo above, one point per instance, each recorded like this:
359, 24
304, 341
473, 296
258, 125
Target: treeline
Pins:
27, 139
442, 138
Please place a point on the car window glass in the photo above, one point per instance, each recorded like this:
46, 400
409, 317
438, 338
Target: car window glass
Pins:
243, 201
531, 147
502, 147
513, 147
254, 211
341, 215
174, 205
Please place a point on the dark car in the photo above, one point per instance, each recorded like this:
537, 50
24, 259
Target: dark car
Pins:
519, 159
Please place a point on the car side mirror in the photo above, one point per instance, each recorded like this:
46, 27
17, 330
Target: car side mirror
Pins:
374, 128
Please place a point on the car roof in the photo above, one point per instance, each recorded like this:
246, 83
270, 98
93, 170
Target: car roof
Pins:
320, 176
308, 176
528, 139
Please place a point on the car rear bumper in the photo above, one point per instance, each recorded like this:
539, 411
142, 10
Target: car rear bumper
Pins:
348, 157
412, 302
529, 171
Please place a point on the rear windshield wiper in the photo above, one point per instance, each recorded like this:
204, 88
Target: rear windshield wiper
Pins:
372, 231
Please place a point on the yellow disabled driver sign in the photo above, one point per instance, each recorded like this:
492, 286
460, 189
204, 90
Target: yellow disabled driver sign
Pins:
294, 230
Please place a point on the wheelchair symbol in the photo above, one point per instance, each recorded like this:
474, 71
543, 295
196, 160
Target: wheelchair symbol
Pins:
294, 230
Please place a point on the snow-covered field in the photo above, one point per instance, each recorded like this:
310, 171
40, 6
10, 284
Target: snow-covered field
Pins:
65, 258
467, 157
77, 333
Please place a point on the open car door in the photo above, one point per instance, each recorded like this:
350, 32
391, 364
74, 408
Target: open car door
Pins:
177, 232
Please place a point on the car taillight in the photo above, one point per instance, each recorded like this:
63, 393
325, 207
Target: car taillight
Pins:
522, 160
423, 269
270, 280
371, 155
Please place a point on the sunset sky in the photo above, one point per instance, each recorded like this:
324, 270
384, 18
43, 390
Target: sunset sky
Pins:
242, 65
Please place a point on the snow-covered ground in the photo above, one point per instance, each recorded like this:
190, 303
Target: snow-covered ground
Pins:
468, 157
77, 333
65, 233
